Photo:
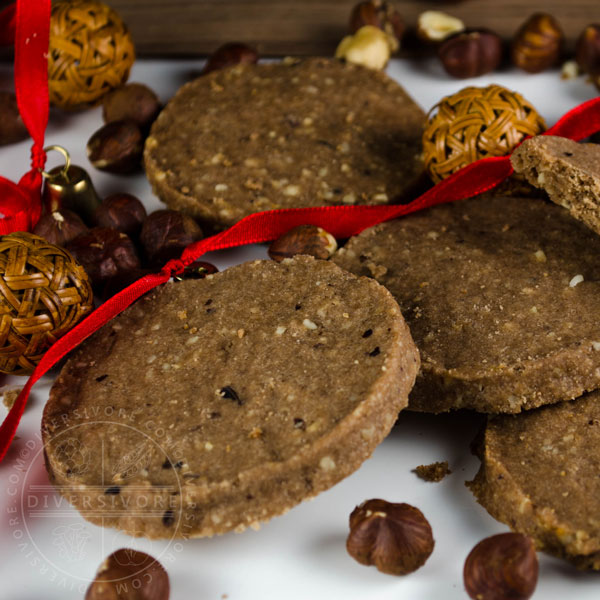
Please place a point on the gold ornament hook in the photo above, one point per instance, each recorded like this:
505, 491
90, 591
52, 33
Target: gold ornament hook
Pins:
64, 171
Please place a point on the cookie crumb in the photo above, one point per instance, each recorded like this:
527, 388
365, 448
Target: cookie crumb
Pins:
9, 395
434, 472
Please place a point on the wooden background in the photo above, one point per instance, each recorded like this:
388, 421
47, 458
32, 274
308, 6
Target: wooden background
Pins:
275, 27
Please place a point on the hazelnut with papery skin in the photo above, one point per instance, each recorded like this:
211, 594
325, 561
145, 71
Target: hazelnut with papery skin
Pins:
60, 227
304, 239
133, 101
396, 538
587, 50
380, 14
502, 566
129, 575
123, 212
228, 55
471, 53
369, 47
117, 147
538, 43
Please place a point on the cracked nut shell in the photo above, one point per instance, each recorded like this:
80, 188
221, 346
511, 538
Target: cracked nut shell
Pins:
380, 14
60, 227
123, 212
502, 566
304, 239
133, 101
104, 253
538, 43
129, 575
471, 53
12, 128
587, 50
435, 26
227, 55
396, 538
117, 147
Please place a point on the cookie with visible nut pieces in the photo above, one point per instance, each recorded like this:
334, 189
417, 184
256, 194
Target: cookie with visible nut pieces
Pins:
298, 133
211, 405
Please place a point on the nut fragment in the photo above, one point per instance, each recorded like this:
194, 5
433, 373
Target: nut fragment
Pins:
165, 233
12, 128
436, 26
129, 575
60, 227
369, 47
227, 55
587, 50
471, 53
122, 212
116, 147
197, 270
380, 14
502, 566
396, 538
133, 101
538, 43
304, 239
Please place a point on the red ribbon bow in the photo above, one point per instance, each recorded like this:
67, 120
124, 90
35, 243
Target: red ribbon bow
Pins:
21, 203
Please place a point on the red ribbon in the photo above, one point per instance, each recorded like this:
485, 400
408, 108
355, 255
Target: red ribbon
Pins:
341, 221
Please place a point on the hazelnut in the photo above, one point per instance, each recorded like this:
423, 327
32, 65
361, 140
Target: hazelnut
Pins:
122, 212
396, 538
197, 270
471, 53
228, 55
104, 253
502, 566
129, 575
60, 227
165, 233
132, 101
116, 147
304, 239
435, 26
122, 280
538, 43
587, 50
12, 128
380, 14
369, 47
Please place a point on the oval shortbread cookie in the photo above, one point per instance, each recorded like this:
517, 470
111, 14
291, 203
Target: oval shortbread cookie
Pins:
312, 132
540, 474
502, 297
213, 404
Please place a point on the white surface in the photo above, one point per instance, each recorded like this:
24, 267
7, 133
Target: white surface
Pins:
302, 554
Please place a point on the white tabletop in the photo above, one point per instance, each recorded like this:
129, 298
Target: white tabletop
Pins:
48, 551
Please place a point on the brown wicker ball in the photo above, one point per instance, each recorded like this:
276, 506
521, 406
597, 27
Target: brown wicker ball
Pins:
43, 293
475, 123
90, 53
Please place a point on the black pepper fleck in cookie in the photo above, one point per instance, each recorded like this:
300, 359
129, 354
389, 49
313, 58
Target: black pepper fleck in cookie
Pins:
502, 296
293, 134
269, 400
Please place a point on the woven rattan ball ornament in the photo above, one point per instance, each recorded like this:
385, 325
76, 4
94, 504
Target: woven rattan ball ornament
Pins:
90, 53
43, 294
475, 123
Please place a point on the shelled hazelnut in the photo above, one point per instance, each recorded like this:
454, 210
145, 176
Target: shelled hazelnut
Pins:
129, 575
380, 14
435, 26
502, 566
122, 280
228, 55
538, 43
132, 101
587, 50
369, 47
104, 253
116, 147
60, 227
199, 269
12, 128
471, 53
396, 538
165, 233
304, 239
123, 212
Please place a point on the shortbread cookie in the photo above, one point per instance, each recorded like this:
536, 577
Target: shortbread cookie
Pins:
568, 171
298, 133
540, 474
502, 297
211, 405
